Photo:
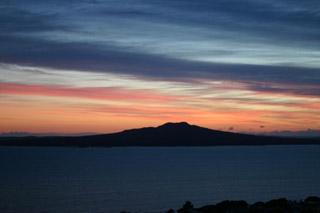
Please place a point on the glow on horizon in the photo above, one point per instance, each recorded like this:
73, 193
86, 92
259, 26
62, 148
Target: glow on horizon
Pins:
99, 105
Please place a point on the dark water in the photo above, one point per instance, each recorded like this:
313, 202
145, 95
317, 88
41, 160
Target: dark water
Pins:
152, 179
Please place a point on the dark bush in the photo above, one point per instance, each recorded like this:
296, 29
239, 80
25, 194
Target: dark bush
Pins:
312, 199
208, 209
231, 205
187, 207
278, 203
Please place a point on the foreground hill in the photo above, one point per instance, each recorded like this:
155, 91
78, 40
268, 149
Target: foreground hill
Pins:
309, 205
169, 134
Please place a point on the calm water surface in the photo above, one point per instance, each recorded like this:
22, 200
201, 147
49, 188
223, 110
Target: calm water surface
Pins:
38, 179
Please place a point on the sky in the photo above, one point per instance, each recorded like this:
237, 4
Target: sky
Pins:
105, 66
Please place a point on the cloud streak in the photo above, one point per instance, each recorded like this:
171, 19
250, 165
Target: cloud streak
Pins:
103, 93
234, 40
79, 56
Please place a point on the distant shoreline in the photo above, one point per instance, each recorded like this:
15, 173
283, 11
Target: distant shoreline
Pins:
83, 147
167, 135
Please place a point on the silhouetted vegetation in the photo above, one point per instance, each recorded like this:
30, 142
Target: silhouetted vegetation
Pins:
312, 199
186, 207
281, 205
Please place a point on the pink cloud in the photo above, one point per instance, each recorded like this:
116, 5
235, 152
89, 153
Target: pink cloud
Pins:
109, 93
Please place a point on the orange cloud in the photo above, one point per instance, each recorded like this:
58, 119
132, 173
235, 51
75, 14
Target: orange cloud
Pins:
48, 108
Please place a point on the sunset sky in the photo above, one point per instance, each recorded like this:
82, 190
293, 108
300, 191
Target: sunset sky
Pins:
105, 66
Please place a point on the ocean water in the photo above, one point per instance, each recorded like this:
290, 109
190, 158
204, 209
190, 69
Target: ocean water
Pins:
142, 179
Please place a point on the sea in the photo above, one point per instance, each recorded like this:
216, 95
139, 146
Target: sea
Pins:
152, 179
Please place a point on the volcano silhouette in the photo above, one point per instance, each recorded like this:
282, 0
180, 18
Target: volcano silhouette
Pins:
168, 134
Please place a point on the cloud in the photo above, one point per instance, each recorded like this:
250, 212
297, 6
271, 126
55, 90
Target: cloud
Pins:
271, 20
231, 128
286, 22
103, 93
300, 133
248, 41
19, 21
286, 88
89, 57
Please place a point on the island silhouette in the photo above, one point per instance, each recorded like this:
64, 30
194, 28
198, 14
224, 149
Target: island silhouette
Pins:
168, 134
